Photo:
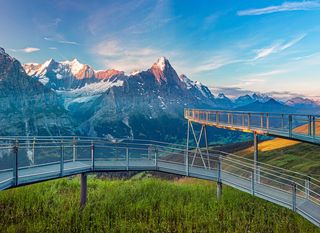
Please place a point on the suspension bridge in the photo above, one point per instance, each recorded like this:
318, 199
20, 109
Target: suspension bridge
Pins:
27, 160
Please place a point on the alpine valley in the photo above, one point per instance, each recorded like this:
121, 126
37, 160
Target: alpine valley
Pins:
66, 98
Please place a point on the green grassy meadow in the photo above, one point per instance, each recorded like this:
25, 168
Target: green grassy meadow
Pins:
141, 204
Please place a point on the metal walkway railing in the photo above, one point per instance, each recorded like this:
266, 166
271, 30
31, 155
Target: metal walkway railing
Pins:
27, 160
299, 127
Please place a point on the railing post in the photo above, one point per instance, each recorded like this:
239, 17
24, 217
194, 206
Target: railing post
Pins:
309, 126
127, 158
232, 120
33, 150
282, 121
307, 188
61, 159
219, 168
217, 118
261, 121
242, 119
92, 155
74, 150
314, 126
258, 174
15, 163
156, 158
252, 183
294, 197
249, 121
267, 119
290, 125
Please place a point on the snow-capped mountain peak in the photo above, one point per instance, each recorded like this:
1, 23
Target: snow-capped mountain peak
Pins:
161, 63
74, 65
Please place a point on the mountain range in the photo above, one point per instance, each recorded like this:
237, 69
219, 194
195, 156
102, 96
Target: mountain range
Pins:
72, 98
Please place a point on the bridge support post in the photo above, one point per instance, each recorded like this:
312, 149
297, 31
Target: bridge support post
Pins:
83, 190
219, 190
255, 157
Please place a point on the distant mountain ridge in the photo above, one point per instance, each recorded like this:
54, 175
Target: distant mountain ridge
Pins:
143, 104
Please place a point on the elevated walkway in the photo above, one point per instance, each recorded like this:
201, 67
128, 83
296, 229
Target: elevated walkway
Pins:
29, 160
304, 128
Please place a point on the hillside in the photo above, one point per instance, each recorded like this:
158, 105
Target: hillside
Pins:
293, 155
185, 205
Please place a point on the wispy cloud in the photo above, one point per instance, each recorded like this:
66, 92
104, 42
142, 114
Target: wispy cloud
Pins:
61, 41
270, 73
52, 48
217, 62
115, 54
26, 50
258, 79
286, 6
129, 17
277, 47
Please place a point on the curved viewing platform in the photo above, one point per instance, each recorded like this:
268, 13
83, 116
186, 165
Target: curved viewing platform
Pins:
28, 160
305, 128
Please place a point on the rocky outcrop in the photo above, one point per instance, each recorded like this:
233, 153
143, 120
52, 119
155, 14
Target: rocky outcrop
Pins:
27, 107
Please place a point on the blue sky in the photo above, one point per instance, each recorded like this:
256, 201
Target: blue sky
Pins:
267, 46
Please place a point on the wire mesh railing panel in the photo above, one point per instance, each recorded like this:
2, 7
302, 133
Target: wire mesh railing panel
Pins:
39, 155
82, 152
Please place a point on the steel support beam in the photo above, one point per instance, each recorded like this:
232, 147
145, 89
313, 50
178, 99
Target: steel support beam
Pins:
83, 190
197, 149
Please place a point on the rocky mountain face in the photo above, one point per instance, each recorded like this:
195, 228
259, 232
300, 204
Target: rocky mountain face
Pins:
27, 107
142, 104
